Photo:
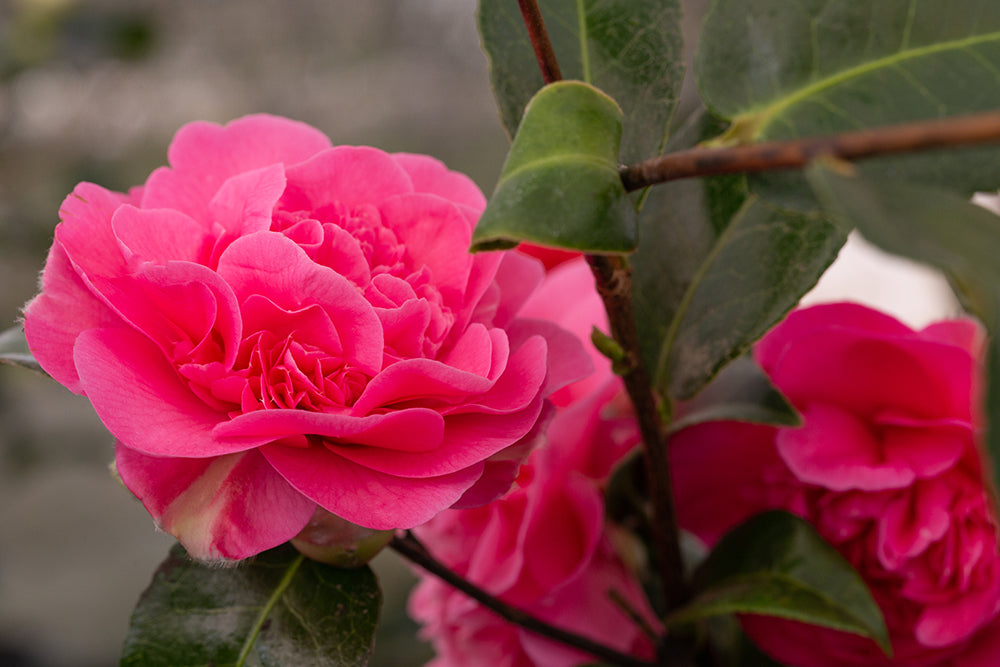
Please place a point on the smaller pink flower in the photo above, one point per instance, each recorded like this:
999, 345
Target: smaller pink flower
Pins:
544, 547
886, 465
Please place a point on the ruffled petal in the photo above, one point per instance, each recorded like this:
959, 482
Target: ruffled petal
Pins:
225, 508
143, 402
363, 496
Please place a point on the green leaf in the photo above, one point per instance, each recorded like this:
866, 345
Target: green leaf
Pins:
817, 67
941, 229
776, 564
631, 49
14, 350
740, 392
715, 270
560, 184
279, 609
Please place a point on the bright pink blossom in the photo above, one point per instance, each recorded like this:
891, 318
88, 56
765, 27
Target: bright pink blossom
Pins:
886, 466
544, 547
271, 324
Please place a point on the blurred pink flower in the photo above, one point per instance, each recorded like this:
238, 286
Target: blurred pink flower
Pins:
544, 547
272, 325
886, 466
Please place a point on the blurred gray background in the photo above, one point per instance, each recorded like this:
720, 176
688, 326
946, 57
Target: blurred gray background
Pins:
93, 90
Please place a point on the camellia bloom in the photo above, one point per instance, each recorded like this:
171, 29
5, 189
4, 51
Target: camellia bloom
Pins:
273, 327
544, 547
886, 466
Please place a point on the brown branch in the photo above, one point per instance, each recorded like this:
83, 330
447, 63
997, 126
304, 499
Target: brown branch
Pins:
613, 280
797, 153
411, 548
614, 283
539, 37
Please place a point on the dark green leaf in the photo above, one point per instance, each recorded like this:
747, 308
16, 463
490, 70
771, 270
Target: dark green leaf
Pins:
941, 229
560, 185
740, 392
280, 609
818, 67
776, 564
631, 49
14, 349
715, 270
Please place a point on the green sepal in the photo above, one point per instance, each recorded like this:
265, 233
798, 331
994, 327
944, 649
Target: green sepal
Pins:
560, 186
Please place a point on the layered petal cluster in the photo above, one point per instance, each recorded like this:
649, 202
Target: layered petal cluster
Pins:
545, 546
272, 325
886, 466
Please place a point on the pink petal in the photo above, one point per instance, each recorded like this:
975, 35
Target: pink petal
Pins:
159, 236
204, 502
346, 175
964, 333
271, 265
142, 400
837, 451
54, 318
435, 235
567, 516
467, 440
204, 155
433, 177
824, 317
722, 474
422, 428
865, 374
363, 496
149, 300
928, 448
520, 383
567, 296
244, 203
518, 276
416, 379
912, 521
473, 351
85, 231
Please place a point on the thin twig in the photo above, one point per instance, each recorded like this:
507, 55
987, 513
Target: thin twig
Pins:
411, 548
774, 155
614, 284
539, 37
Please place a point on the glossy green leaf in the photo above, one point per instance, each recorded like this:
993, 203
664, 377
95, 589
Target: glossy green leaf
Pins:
776, 564
560, 184
279, 609
631, 49
941, 229
703, 291
740, 392
14, 349
825, 66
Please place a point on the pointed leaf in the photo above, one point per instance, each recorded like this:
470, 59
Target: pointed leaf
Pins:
941, 229
826, 66
715, 270
776, 564
740, 392
279, 609
560, 185
14, 350
631, 49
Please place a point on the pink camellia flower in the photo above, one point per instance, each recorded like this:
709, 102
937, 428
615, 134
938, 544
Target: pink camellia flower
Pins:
274, 328
544, 547
886, 466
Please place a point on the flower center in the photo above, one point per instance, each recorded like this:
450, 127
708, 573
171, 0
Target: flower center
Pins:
285, 373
